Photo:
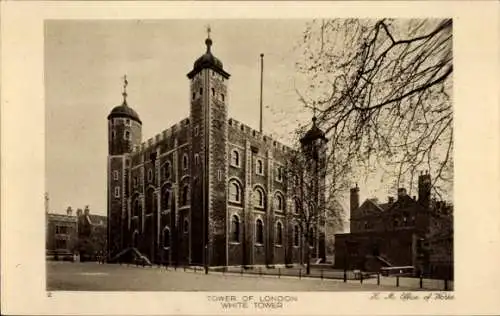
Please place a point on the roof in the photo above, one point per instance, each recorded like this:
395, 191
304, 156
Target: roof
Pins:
208, 61
313, 134
124, 111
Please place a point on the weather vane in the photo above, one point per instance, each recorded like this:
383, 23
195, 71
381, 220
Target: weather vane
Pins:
208, 30
124, 93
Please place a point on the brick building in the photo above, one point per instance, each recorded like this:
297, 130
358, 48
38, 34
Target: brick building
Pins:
68, 234
61, 234
209, 190
406, 231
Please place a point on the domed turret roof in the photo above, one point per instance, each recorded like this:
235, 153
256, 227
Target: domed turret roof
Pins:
124, 111
208, 61
313, 134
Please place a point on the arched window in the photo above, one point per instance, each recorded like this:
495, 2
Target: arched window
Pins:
278, 202
310, 238
186, 225
135, 236
259, 198
279, 174
196, 159
235, 158
127, 135
213, 92
260, 167
184, 196
296, 235
166, 237
137, 208
185, 161
235, 228
150, 201
259, 232
279, 233
296, 206
150, 175
166, 171
166, 199
234, 192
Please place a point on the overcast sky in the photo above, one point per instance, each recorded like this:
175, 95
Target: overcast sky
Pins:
85, 61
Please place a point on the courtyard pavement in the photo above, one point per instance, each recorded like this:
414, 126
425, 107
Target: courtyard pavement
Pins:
91, 276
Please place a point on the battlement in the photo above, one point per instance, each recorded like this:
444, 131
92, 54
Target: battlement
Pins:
258, 136
165, 134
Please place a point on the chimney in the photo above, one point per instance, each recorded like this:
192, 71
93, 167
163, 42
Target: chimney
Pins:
390, 199
69, 211
401, 192
424, 189
354, 198
79, 212
87, 210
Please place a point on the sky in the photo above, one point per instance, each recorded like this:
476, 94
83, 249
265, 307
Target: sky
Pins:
86, 60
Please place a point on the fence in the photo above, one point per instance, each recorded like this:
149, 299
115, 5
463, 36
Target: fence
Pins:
323, 273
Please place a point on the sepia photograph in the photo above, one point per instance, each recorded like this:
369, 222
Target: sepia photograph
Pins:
239, 158
193, 155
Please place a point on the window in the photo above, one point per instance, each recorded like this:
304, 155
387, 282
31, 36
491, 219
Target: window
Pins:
61, 244
259, 198
117, 192
196, 130
166, 170
213, 92
194, 95
137, 208
134, 181
166, 199
296, 205
260, 167
279, 174
61, 229
279, 233
311, 236
222, 97
235, 228
186, 226
219, 175
150, 175
150, 201
235, 158
184, 196
201, 91
234, 192
115, 174
196, 159
127, 135
166, 237
296, 236
259, 232
242, 127
278, 202
113, 135
185, 162
127, 122
296, 180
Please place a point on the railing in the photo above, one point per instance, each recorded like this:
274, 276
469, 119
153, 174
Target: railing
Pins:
300, 272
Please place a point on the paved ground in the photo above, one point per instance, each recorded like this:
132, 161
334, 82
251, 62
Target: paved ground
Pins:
103, 277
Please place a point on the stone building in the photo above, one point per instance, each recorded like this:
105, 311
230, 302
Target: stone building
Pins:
406, 231
209, 190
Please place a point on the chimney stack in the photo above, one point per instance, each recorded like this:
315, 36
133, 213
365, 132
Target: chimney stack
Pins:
424, 189
354, 198
79, 212
69, 211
